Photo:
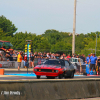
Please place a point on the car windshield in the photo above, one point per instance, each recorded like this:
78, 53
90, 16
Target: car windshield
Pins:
53, 62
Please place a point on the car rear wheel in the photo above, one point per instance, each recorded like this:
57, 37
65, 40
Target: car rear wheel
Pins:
69, 74
72, 75
38, 77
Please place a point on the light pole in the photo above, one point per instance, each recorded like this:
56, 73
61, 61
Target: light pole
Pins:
74, 29
96, 43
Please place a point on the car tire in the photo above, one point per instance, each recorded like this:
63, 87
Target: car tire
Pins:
72, 75
65, 76
60, 76
38, 77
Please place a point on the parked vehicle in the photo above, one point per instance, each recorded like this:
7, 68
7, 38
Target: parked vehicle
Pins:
5, 46
78, 64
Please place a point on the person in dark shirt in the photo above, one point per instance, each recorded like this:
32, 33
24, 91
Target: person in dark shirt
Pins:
83, 58
11, 56
32, 59
98, 63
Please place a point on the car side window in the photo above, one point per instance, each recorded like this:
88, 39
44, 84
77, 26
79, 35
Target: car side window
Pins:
66, 63
62, 63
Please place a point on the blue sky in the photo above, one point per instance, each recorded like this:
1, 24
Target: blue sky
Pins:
37, 16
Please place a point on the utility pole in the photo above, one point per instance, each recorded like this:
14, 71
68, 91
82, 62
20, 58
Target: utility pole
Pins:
74, 29
96, 43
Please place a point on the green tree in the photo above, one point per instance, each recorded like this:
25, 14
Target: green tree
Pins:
7, 26
61, 47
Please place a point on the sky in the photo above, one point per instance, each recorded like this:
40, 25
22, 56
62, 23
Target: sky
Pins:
37, 16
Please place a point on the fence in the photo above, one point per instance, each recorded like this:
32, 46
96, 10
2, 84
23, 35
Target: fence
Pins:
10, 64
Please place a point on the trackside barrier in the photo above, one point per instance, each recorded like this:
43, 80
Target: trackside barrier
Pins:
10, 64
14, 64
1, 71
49, 89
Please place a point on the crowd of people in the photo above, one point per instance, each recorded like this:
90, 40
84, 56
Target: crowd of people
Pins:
38, 57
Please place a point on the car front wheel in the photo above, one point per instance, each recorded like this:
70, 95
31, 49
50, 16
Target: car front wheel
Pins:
38, 77
60, 76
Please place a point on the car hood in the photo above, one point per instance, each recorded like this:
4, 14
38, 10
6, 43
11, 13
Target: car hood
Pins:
48, 66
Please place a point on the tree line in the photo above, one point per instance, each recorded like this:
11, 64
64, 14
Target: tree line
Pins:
50, 41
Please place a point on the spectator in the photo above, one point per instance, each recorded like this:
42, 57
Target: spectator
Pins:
35, 54
83, 58
73, 56
11, 56
87, 59
32, 59
43, 59
57, 56
98, 63
68, 56
19, 60
7, 56
91, 55
39, 59
53, 56
93, 62
14, 56
0, 56
35, 60
48, 55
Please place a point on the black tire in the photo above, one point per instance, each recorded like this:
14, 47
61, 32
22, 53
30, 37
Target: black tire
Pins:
65, 76
72, 75
60, 76
38, 77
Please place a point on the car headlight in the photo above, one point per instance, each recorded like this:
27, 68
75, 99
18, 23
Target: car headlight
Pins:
35, 69
56, 71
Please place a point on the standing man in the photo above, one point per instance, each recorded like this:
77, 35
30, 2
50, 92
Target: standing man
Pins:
87, 59
19, 60
32, 59
91, 55
11, 56
93, 62
98, 62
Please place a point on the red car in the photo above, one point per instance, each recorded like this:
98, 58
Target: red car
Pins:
52, 68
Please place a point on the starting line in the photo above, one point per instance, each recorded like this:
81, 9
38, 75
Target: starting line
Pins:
32, 74
23, 74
